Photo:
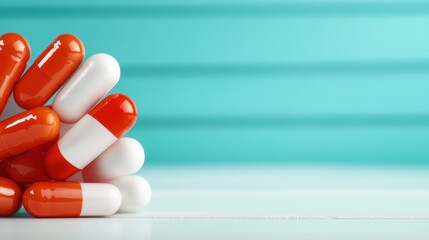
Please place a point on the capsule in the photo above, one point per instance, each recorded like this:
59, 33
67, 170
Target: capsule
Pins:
49, 71
14, 55
10, 197
90, 136
71, 199
122, 158
96, 77
136, 193
28, 130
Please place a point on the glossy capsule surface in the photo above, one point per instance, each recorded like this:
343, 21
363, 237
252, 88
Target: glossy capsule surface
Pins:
90, 136
122, 158
10, 197
14, 55
136, 193
49, 71
27, 167
96, 77
28, 130
71, 199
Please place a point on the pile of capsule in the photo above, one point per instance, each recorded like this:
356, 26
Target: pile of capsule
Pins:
68, 159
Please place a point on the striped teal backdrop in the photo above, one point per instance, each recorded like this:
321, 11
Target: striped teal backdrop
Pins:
256, 81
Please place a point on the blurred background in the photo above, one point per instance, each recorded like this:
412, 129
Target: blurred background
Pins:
258, 82
258, 113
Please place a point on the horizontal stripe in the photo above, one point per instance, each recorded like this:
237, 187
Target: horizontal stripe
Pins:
278, 96
315, 121
405, 146
213, 10
368, 67
199, 2
136, 42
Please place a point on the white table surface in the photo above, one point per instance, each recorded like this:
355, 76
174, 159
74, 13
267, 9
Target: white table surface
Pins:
256, 202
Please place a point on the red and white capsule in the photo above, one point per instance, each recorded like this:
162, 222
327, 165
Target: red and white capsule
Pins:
71, 199
90, 136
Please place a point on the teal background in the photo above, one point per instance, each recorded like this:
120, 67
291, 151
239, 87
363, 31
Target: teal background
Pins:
258, 82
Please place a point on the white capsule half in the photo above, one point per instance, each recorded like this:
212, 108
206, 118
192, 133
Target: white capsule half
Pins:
99, 199
124, 157
136, 193
96, 77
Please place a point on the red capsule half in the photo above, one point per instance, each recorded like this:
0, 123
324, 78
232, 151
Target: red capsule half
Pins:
49, 71
14, 55
28, 130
